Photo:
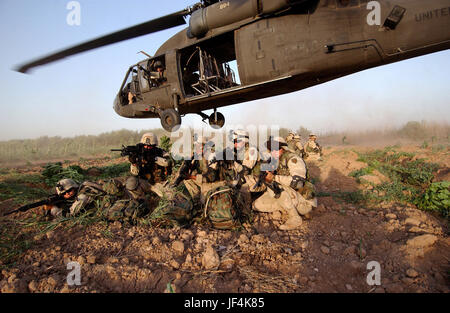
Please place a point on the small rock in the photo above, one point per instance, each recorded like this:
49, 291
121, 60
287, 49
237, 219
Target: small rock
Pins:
242, 239
408, 281
416, 229
412, 273
81, 260
422, 241
391, 216
113, 260
156, 241
258, 238
52, 281
174, 264
350, 250
412, 221
178, 247
32, 286
201, 234
325, 250
356, 265
349, 287
50, 235
210, 259
187, 235
91, 259
227, 264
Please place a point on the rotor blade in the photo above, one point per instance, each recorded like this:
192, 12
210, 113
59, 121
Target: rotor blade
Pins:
165, 22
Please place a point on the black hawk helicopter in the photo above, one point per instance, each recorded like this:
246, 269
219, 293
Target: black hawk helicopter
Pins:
279, 46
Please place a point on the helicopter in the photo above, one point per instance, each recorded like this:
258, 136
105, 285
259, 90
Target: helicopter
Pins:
279, 46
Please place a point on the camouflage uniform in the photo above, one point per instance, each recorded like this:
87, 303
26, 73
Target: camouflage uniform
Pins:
313, 150
157, 170
294, 144
146, 183
83, 199
291, 175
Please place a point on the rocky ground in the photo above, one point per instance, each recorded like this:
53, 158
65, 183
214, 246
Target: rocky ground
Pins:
329, 253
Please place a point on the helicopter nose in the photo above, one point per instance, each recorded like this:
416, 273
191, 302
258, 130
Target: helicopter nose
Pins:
116, 105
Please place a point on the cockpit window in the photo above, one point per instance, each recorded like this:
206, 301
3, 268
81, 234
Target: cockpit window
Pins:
131, 87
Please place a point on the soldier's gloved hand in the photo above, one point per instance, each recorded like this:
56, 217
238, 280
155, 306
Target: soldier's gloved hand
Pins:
269, 177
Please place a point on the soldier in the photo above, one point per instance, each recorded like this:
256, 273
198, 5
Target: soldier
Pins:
77, 197
150, 169
290, 175
312, 149
294, 143
246, 158
198, 170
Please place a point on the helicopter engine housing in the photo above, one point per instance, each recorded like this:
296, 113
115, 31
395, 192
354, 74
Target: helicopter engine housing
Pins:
228, 12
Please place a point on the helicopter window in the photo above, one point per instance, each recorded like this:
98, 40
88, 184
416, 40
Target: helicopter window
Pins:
131, 89
155, 72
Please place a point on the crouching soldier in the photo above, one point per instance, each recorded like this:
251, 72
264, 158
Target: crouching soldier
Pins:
294, 143
313, 150
290, 177
77, 198
150, 167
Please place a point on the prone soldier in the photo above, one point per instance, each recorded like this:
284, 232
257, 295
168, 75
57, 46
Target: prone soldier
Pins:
77, 198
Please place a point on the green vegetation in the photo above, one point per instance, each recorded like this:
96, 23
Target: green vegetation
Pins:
53, 172
436, 198
410, 181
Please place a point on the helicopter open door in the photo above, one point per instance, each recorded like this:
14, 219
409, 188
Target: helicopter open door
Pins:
206, 67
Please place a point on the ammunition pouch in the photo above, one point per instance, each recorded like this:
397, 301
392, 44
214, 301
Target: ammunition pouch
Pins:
297, 182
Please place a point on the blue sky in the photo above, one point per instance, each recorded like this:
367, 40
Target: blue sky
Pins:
74, 96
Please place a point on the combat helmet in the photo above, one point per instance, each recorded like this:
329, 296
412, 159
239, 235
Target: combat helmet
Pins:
149, 139
241, 135
158, 64
290, 136
65, 185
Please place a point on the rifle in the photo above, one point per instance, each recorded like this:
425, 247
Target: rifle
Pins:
139, 155
274, 186
184, 172
54, 199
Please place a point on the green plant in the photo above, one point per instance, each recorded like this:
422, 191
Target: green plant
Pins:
165, 143
436, 198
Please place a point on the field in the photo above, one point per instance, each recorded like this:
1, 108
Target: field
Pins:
388, 205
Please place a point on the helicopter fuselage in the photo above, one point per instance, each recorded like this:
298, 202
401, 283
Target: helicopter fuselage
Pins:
303, 46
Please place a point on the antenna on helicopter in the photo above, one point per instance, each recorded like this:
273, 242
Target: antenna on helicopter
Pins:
145, 53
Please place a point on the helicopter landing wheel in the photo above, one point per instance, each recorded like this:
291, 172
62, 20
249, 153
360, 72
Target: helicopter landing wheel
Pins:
170, 120
216, 120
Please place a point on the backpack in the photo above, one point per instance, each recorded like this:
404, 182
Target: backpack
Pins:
129, 209
223, 208
176, 210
